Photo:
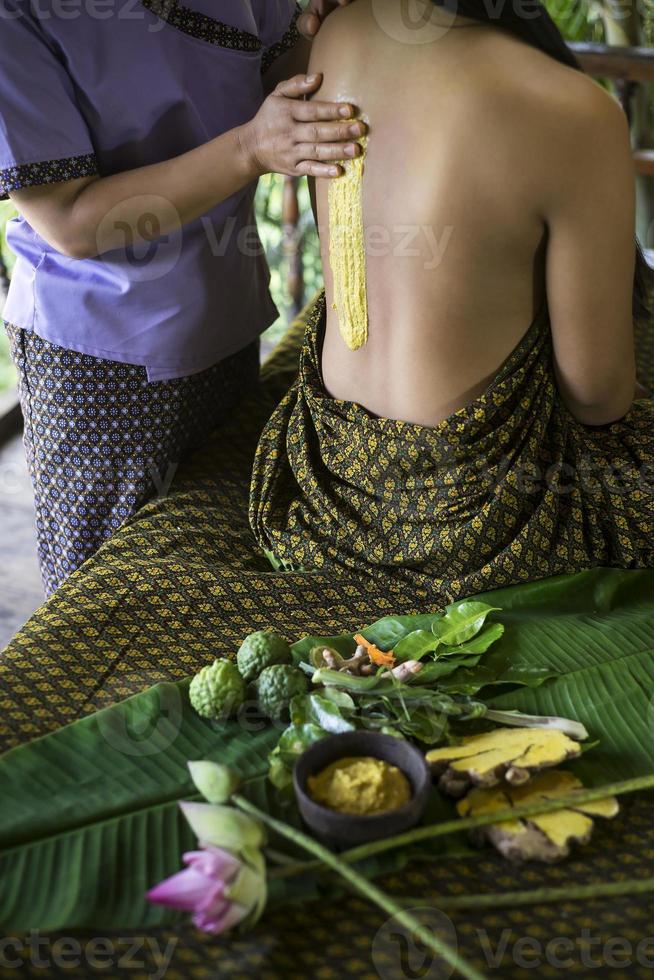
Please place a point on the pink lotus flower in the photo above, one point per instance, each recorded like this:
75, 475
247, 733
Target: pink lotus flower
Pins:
209, 887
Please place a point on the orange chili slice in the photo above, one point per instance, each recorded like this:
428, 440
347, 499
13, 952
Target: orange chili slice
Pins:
377, 656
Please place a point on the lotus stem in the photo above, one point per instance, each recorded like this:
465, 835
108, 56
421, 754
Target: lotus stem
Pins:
639, 783
365, 888
538, 896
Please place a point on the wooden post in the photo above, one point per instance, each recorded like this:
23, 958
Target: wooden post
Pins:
292, 245
626, 90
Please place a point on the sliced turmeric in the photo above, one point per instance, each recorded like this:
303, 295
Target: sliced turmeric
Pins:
380, 657
544, 837
504, 755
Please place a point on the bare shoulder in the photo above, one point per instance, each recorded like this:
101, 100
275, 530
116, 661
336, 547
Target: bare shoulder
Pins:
547, 90
336, 49
584, 134
551, 116
584, 109
345, 25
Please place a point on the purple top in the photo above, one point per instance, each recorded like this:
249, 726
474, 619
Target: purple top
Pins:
104, 86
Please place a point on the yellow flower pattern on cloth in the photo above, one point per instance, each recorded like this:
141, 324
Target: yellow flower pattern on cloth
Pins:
347, 254
183, 578
508, 489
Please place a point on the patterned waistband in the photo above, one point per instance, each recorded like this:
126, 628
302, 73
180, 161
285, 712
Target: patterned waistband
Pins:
522, 385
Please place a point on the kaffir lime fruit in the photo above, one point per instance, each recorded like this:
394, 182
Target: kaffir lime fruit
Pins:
277, 686
261, 650
218, 691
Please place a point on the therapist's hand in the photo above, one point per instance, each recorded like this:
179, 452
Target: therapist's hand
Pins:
295, 137
310, 21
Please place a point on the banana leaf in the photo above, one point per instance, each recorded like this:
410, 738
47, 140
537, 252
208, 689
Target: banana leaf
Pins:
89, 817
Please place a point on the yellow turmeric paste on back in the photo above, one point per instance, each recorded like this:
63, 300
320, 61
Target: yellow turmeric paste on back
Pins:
347, 254
360, 785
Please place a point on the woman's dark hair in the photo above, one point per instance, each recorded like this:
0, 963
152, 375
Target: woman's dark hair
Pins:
529, 21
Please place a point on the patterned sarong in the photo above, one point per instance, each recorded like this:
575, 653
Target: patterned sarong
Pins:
101, 440
509, 489
183, 582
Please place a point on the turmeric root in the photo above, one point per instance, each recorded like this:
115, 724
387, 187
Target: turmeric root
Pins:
547, 837
504, 755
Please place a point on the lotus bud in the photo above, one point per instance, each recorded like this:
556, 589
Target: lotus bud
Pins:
216, 782
223, 826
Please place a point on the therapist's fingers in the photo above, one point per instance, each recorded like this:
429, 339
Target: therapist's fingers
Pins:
299, 86
312, 168
328, 151
310, 21
329, 132
310, 111
308, 24
275, 141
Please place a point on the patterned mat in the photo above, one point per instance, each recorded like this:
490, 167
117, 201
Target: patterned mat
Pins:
182, 582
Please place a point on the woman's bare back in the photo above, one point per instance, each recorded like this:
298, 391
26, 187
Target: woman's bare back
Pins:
471, 133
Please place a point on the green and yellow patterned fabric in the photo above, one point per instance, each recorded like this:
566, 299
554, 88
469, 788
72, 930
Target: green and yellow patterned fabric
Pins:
184, 581
507, 490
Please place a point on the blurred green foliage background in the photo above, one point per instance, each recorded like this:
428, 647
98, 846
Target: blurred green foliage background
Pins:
578, 19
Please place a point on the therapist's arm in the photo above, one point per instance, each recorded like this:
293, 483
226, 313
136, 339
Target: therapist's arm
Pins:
86, 217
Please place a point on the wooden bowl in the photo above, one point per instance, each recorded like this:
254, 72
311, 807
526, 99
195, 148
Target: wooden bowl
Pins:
344, 830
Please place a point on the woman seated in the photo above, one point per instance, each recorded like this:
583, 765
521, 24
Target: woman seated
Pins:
471, 419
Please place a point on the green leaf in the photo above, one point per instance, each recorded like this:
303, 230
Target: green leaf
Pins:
317, 658
479, 644
322, 711
386, 633
416, 645
301, 651
461, 622
425, 725
472, 681
434, 673
574, 729
101, 797
296, 738
90, 819
340, 698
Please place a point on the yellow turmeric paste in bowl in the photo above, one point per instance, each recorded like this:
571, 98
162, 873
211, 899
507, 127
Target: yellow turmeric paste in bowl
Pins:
360, 785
